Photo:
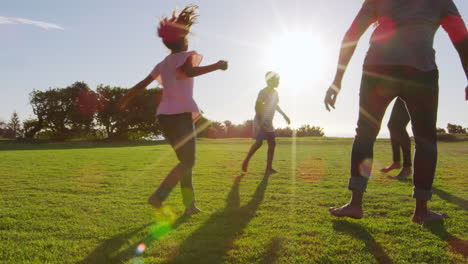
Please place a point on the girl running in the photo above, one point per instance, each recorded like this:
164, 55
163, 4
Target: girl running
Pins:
177, 108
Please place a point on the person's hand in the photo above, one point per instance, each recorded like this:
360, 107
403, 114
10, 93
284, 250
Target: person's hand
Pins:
466, 93
222, 65
287, 119
330, 97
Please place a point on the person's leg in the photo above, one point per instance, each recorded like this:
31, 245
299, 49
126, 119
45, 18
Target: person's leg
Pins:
375, 94
405, 143
394, 129
258, 143
399, 137
422, 102
169, 124
271, 152
185, 150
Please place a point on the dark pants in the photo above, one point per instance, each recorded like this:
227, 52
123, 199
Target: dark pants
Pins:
379, 86
399, 137
180, 132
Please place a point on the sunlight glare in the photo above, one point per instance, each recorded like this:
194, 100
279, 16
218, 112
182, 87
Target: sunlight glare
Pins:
299, 57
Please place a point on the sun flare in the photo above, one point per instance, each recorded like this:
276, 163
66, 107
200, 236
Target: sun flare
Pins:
299, 57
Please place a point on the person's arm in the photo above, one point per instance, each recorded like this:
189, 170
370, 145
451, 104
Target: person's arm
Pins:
283, 114
135, 90
361, 23
462, 49
455, 27
194, 71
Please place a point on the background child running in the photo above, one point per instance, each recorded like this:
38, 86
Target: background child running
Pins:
265, 108
177, 108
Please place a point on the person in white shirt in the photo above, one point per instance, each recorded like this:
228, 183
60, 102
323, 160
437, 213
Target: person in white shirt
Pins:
177, 108
265, 108
400, 63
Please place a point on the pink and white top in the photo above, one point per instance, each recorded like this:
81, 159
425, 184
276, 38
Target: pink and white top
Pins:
177, 95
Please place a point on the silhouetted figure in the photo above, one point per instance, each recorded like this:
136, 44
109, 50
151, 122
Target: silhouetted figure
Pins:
265, 108
400, 139
400, 62
177, 109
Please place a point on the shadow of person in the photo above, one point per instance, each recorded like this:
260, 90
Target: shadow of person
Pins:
361, 233
462, 203
123, 247
456, 244
210, 242
108, 251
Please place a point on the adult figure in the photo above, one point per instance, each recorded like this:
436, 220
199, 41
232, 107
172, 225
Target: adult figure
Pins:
400, 139
400, 62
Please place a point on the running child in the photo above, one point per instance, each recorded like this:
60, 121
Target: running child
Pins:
265, 108
177, 108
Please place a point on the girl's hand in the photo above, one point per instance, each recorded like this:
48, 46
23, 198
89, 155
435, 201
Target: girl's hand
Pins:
287, 119
222, 65
330, 97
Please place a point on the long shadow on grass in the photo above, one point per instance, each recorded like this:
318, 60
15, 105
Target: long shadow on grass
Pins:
462, 203
456, 244
361, 233
210, 242
123, 247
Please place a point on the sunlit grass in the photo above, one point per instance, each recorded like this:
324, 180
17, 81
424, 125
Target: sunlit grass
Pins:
85, 202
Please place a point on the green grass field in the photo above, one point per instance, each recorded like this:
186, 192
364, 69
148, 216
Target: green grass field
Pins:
82, 202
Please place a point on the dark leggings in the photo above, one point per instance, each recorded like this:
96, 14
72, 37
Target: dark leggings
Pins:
379, 86
399, 137
180, 132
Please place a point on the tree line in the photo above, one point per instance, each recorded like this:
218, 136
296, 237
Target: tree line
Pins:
78, 112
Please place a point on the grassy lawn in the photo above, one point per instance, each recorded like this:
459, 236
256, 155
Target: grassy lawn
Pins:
82, 202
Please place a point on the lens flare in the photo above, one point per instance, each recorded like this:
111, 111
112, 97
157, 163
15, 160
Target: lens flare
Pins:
365, 168
141, 248
165, 218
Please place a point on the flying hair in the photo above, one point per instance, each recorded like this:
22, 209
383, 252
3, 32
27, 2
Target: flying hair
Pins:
175, 27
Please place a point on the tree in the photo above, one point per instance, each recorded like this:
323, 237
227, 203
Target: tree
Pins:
14, 125
31, 127
455, 129
441, 131
310, 131
64, 112
137, 120
284, 132
3, 128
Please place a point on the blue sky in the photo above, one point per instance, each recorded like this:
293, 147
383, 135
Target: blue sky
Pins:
114, 43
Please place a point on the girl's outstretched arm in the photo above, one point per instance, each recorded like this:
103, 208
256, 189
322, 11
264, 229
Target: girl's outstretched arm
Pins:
283, 114
194, 71
135, 90
361, 23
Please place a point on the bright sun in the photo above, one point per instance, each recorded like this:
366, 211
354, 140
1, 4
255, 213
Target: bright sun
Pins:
299, 57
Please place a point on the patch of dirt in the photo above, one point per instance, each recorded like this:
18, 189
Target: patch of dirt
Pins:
311, 170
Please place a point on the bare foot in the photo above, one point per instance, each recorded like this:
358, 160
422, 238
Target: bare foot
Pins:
245, 164
394, 166
155, 201
429, 216
192, 210
347, 210
270, 171
404, 173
